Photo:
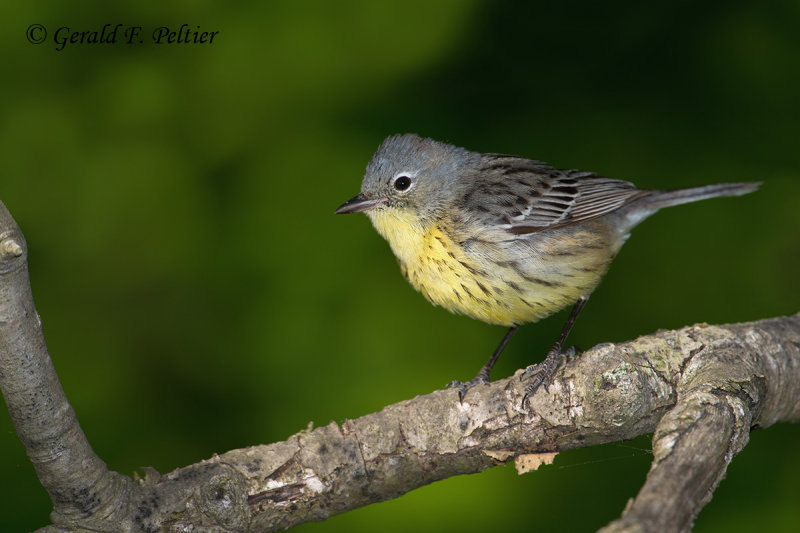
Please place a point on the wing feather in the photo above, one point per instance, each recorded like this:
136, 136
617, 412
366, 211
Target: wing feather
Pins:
524, 196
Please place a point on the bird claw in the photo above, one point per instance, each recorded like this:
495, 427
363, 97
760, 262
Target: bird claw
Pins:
464, 386
544, 371
572, 351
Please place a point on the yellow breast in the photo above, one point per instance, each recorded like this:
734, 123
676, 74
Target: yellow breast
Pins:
498, 283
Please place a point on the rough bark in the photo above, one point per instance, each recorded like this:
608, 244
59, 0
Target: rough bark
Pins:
700, 390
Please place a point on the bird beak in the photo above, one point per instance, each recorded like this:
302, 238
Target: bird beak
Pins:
358, 204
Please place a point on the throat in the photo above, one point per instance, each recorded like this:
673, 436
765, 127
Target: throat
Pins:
405, 233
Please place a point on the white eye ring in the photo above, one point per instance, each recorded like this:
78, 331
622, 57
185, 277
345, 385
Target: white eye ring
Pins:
403, 182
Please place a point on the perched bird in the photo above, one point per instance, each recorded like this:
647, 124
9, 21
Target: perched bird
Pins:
501, 238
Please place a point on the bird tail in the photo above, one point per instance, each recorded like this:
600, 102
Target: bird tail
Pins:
660, 199
647, 204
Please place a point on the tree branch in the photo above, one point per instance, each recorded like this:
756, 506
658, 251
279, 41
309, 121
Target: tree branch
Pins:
699, 389
79, 484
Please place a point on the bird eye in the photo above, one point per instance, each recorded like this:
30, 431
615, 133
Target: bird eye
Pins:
402, 183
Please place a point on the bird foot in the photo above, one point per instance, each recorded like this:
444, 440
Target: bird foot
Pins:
543, 372
464, 386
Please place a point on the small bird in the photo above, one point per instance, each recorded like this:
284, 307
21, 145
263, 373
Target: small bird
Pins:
504, 239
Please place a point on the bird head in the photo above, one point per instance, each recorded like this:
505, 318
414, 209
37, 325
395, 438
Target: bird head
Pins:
410, 177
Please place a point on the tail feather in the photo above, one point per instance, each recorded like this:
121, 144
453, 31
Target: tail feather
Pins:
660, 199
647, 204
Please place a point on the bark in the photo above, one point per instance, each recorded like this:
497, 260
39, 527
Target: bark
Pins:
700, 390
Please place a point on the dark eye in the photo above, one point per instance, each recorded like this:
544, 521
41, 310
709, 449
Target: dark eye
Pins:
402, 183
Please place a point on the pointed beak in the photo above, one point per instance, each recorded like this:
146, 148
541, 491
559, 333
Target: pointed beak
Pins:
358, 204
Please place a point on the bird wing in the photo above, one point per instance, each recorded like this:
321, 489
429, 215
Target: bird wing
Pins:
524, 196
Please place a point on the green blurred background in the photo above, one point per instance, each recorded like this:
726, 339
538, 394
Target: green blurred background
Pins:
198, 294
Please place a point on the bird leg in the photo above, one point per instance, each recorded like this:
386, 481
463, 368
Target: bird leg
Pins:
483, 374
545, 370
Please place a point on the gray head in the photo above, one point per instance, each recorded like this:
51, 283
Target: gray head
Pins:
409, 172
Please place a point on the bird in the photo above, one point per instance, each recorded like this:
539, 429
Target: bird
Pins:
504, 239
